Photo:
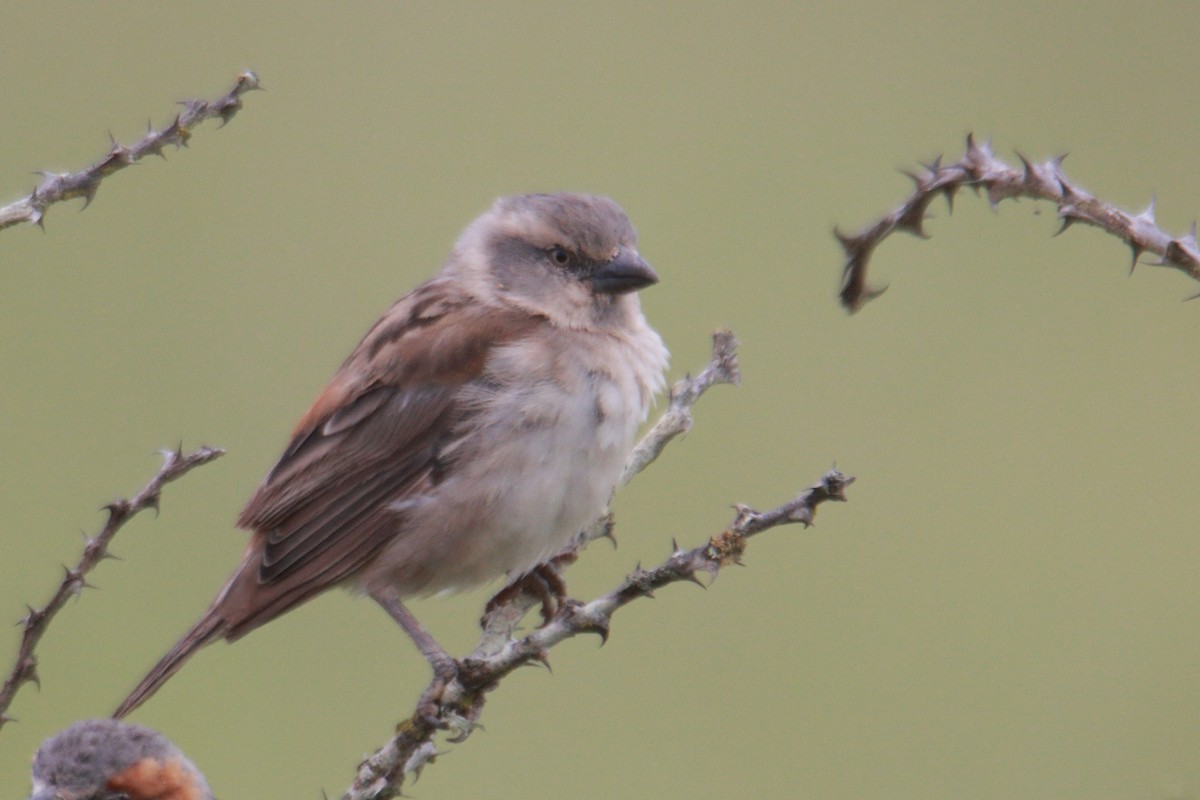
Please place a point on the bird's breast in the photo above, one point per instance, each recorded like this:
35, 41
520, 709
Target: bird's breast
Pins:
547, 430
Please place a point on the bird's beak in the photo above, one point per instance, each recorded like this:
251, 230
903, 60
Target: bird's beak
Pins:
627, 272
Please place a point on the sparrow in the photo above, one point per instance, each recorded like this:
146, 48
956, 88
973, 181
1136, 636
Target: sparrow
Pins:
102, 759
476, 428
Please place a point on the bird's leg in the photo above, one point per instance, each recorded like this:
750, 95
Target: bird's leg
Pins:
445, 667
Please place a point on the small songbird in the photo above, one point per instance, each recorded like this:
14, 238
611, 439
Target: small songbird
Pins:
102, 759
476, 428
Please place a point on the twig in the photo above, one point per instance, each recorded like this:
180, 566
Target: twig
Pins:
677, 419
980, 169
56, 187
461, 703
175, 465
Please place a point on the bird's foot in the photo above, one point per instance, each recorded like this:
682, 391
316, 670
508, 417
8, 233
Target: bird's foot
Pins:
429, 706
544, 583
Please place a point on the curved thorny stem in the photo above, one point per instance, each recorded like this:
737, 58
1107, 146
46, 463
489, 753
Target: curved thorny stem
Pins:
981, 170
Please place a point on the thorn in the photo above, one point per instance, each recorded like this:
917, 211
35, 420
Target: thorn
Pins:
89, 190
869, 294
913, 222
119, 151
804, 516
610, 533
921, 182
1137, 253
1148, 214
117, 509
949, 191
849, 243
74, 581
599, 627
977, 153
935, 165
169, 457
152, 502
1026, 168
691, 577
542, 657
1053, 167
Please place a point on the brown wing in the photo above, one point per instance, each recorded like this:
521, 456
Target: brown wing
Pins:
370, 439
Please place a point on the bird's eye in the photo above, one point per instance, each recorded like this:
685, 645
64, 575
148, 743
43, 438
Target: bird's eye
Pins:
560, 255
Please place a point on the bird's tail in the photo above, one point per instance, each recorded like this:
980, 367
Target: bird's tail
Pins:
210, 628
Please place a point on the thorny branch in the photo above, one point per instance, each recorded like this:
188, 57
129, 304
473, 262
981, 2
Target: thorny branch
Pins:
677, 419
980, 169
382, 775
57, 187
175, 465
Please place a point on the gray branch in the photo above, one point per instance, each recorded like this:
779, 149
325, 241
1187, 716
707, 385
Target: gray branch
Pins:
677, 419
981, 170
460, 703
56, 187
175, 465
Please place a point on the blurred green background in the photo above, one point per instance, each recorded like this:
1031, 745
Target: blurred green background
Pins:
1006, 609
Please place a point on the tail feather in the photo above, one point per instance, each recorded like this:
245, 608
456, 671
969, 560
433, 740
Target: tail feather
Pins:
210, 628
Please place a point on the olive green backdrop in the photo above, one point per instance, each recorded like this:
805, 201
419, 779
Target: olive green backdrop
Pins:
1006, 609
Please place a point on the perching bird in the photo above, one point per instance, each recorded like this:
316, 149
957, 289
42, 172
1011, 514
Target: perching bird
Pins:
480, 424
102, 759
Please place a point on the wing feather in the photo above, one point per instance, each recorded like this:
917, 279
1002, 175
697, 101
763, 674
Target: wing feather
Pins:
370, 441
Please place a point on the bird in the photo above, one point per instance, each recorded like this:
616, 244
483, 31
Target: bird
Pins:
103, 759
475, 429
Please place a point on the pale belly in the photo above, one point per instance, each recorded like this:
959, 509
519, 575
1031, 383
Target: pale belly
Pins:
535, 471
